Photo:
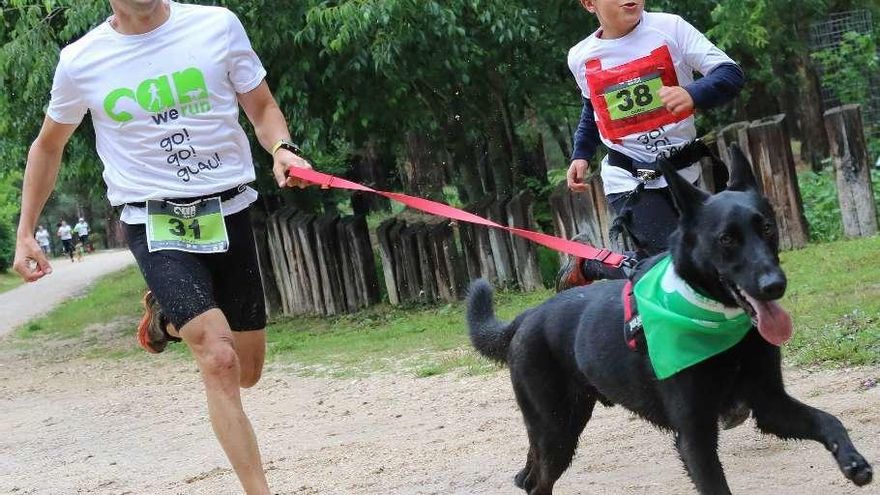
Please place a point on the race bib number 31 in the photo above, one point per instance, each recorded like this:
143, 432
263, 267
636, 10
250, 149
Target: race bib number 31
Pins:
197, 227
634, 97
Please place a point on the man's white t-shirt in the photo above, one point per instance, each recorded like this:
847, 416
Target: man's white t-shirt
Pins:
64, 233
42, 237
164, 106
81, 228
690, 51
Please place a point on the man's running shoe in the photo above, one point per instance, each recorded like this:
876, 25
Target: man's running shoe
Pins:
151, 334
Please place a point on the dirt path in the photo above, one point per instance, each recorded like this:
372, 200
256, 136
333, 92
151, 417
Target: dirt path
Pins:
29, 301
140, 427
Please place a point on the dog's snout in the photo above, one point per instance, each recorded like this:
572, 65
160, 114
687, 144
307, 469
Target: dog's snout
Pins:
772, 285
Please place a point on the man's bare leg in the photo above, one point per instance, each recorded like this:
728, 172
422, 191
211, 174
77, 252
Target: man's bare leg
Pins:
213, 345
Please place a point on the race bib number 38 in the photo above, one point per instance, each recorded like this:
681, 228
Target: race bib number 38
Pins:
197, 227
634, 97
626, 97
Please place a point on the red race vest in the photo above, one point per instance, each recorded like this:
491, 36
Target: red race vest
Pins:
626, 98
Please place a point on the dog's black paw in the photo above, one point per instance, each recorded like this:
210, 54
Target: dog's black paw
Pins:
857, 469
521, 480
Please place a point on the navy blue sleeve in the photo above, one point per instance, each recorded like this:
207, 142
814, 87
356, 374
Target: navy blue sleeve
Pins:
586, 137
718, 87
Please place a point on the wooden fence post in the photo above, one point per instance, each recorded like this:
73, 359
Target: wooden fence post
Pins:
357, 236
386, 255
425, 263
301, 283
524, 253
271, 292
500, 242
280, 269
326, 244
769, 147
412, 270
733, 133
448, 263
302, 225
348, 265
479, 256
852, 170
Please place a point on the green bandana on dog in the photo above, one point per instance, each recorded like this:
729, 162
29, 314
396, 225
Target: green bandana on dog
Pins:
682, 327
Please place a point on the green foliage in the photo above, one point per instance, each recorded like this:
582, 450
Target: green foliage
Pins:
10, 190
7, 246
821, 205
846, 68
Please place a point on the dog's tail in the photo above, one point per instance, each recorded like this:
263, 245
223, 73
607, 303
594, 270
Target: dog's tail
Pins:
489, 335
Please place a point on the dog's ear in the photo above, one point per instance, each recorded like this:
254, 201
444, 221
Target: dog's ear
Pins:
687, 197
741, 176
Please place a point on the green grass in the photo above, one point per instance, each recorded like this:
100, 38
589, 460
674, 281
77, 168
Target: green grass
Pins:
424, 340
834, 297
110, 308
9, 280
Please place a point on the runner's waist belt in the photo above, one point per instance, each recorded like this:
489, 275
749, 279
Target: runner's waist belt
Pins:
224, 196
683, 158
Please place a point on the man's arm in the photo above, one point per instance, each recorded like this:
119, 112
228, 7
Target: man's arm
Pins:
43, 162
270, 126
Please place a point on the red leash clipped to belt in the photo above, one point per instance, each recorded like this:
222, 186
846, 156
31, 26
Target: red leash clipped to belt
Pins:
573, 248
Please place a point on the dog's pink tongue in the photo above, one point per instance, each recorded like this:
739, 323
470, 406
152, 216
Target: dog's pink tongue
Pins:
774, 323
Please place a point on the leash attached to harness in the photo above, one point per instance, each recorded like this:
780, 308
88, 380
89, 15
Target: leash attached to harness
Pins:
632, 322
573, 248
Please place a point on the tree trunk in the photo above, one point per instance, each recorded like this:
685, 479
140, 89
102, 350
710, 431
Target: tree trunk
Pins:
503, 151
421, 172
464, 161
534, 161
814, 140
369, 170
561, 139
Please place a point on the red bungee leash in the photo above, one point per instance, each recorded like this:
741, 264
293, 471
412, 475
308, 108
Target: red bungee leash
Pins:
327, 181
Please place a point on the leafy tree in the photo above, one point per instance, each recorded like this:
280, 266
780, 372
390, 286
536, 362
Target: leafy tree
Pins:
420, 94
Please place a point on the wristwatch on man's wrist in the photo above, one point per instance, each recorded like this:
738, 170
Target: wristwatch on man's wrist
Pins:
288, 145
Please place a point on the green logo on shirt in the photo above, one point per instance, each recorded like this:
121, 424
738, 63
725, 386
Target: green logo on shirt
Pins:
184, 91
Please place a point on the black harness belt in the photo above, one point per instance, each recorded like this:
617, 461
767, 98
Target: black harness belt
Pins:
223, 195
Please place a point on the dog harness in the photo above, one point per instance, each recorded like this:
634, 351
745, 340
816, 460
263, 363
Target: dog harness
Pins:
682, 327
632, 322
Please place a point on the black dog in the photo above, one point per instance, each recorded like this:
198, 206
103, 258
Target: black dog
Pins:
570, 352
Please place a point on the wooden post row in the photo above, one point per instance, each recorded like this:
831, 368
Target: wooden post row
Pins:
423, 262
420, 261
500, 257
321, 265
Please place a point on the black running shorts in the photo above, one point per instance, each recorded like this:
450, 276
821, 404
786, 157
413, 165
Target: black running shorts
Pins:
188, 284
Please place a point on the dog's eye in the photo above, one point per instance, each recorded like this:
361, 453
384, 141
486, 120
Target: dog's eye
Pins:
768, 230
725, 240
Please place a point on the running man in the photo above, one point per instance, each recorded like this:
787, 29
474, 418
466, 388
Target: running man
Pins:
200, 266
